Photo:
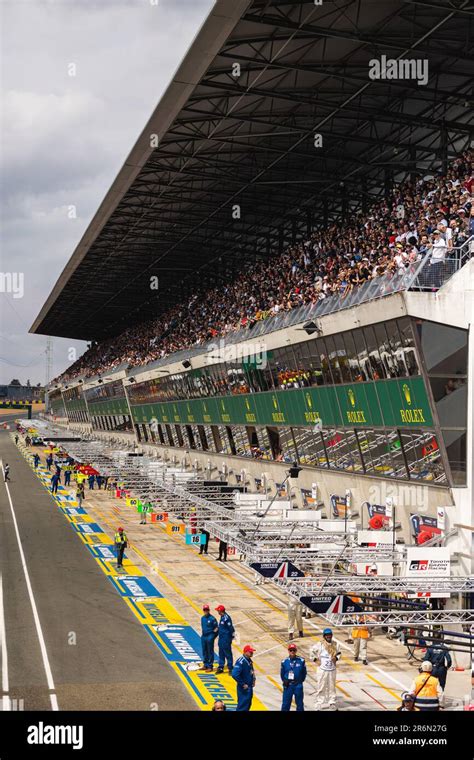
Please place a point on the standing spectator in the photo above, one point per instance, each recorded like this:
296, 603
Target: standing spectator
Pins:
226, 633
438, 255
91, 480
67, 475
326, 653
49, 461
36, 460
243, 673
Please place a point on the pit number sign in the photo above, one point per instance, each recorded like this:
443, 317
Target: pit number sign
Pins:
161, 517
175, 530
195, 538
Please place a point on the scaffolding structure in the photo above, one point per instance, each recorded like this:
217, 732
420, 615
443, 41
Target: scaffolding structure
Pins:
263, 536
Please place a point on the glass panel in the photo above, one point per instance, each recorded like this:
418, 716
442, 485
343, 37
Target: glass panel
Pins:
408, 352
374, 366
209, 438
169, 435
265, 445
456, 449
342, 360
423, 455
355, 373
179, 435
444, 348
190, 435
310, 447
377, 451
287, 446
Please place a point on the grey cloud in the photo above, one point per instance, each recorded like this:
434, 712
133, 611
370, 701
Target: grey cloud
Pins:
65, 138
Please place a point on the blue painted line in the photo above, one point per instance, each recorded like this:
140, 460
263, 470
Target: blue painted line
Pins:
103, 551
134, 585
182, 641
88, 527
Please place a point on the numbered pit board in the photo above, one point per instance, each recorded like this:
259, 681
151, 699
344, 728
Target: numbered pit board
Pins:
175, 530
195, 538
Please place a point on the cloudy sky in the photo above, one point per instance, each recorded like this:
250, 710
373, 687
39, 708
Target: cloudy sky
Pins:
64, 138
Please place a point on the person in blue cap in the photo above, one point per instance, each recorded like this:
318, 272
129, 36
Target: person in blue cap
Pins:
326, 653
226, 634
293, 674
244, 674
209, 630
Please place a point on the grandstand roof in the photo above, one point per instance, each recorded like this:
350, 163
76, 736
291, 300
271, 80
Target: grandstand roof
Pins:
250, 140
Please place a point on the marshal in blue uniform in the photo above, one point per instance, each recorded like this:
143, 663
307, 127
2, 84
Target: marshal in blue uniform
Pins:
293, 674
209, 630
226, 634
244, 674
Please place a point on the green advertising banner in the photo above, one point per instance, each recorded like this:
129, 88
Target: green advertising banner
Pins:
383, 403
109, 407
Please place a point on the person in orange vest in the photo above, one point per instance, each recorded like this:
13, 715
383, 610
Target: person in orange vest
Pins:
427, 689
360, 635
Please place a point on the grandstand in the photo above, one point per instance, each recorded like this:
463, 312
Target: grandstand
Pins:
282, 270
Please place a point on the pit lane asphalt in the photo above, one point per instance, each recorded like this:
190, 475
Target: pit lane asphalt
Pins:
113, 665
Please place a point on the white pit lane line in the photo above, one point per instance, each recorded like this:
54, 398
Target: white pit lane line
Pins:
39, 630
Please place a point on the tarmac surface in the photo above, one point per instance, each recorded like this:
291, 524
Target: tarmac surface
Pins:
99, 656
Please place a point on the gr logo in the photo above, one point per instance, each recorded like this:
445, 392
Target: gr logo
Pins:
419, 564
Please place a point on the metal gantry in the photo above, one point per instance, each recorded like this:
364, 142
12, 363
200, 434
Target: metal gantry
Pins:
324, 557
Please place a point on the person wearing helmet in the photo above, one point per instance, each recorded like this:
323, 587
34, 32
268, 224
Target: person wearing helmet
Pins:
120, 545
209, 630
427, 689
408, 703
326, 653
243, 672
293, 674
226, 632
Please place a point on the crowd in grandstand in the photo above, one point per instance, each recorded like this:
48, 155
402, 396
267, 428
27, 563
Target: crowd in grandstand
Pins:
427, 217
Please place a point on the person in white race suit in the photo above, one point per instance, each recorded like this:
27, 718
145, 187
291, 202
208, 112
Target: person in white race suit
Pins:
326, 653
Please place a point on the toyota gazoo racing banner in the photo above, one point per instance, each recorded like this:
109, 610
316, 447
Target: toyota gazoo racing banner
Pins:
380, 516
280, 569
340, 506
431, 561
425, 527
